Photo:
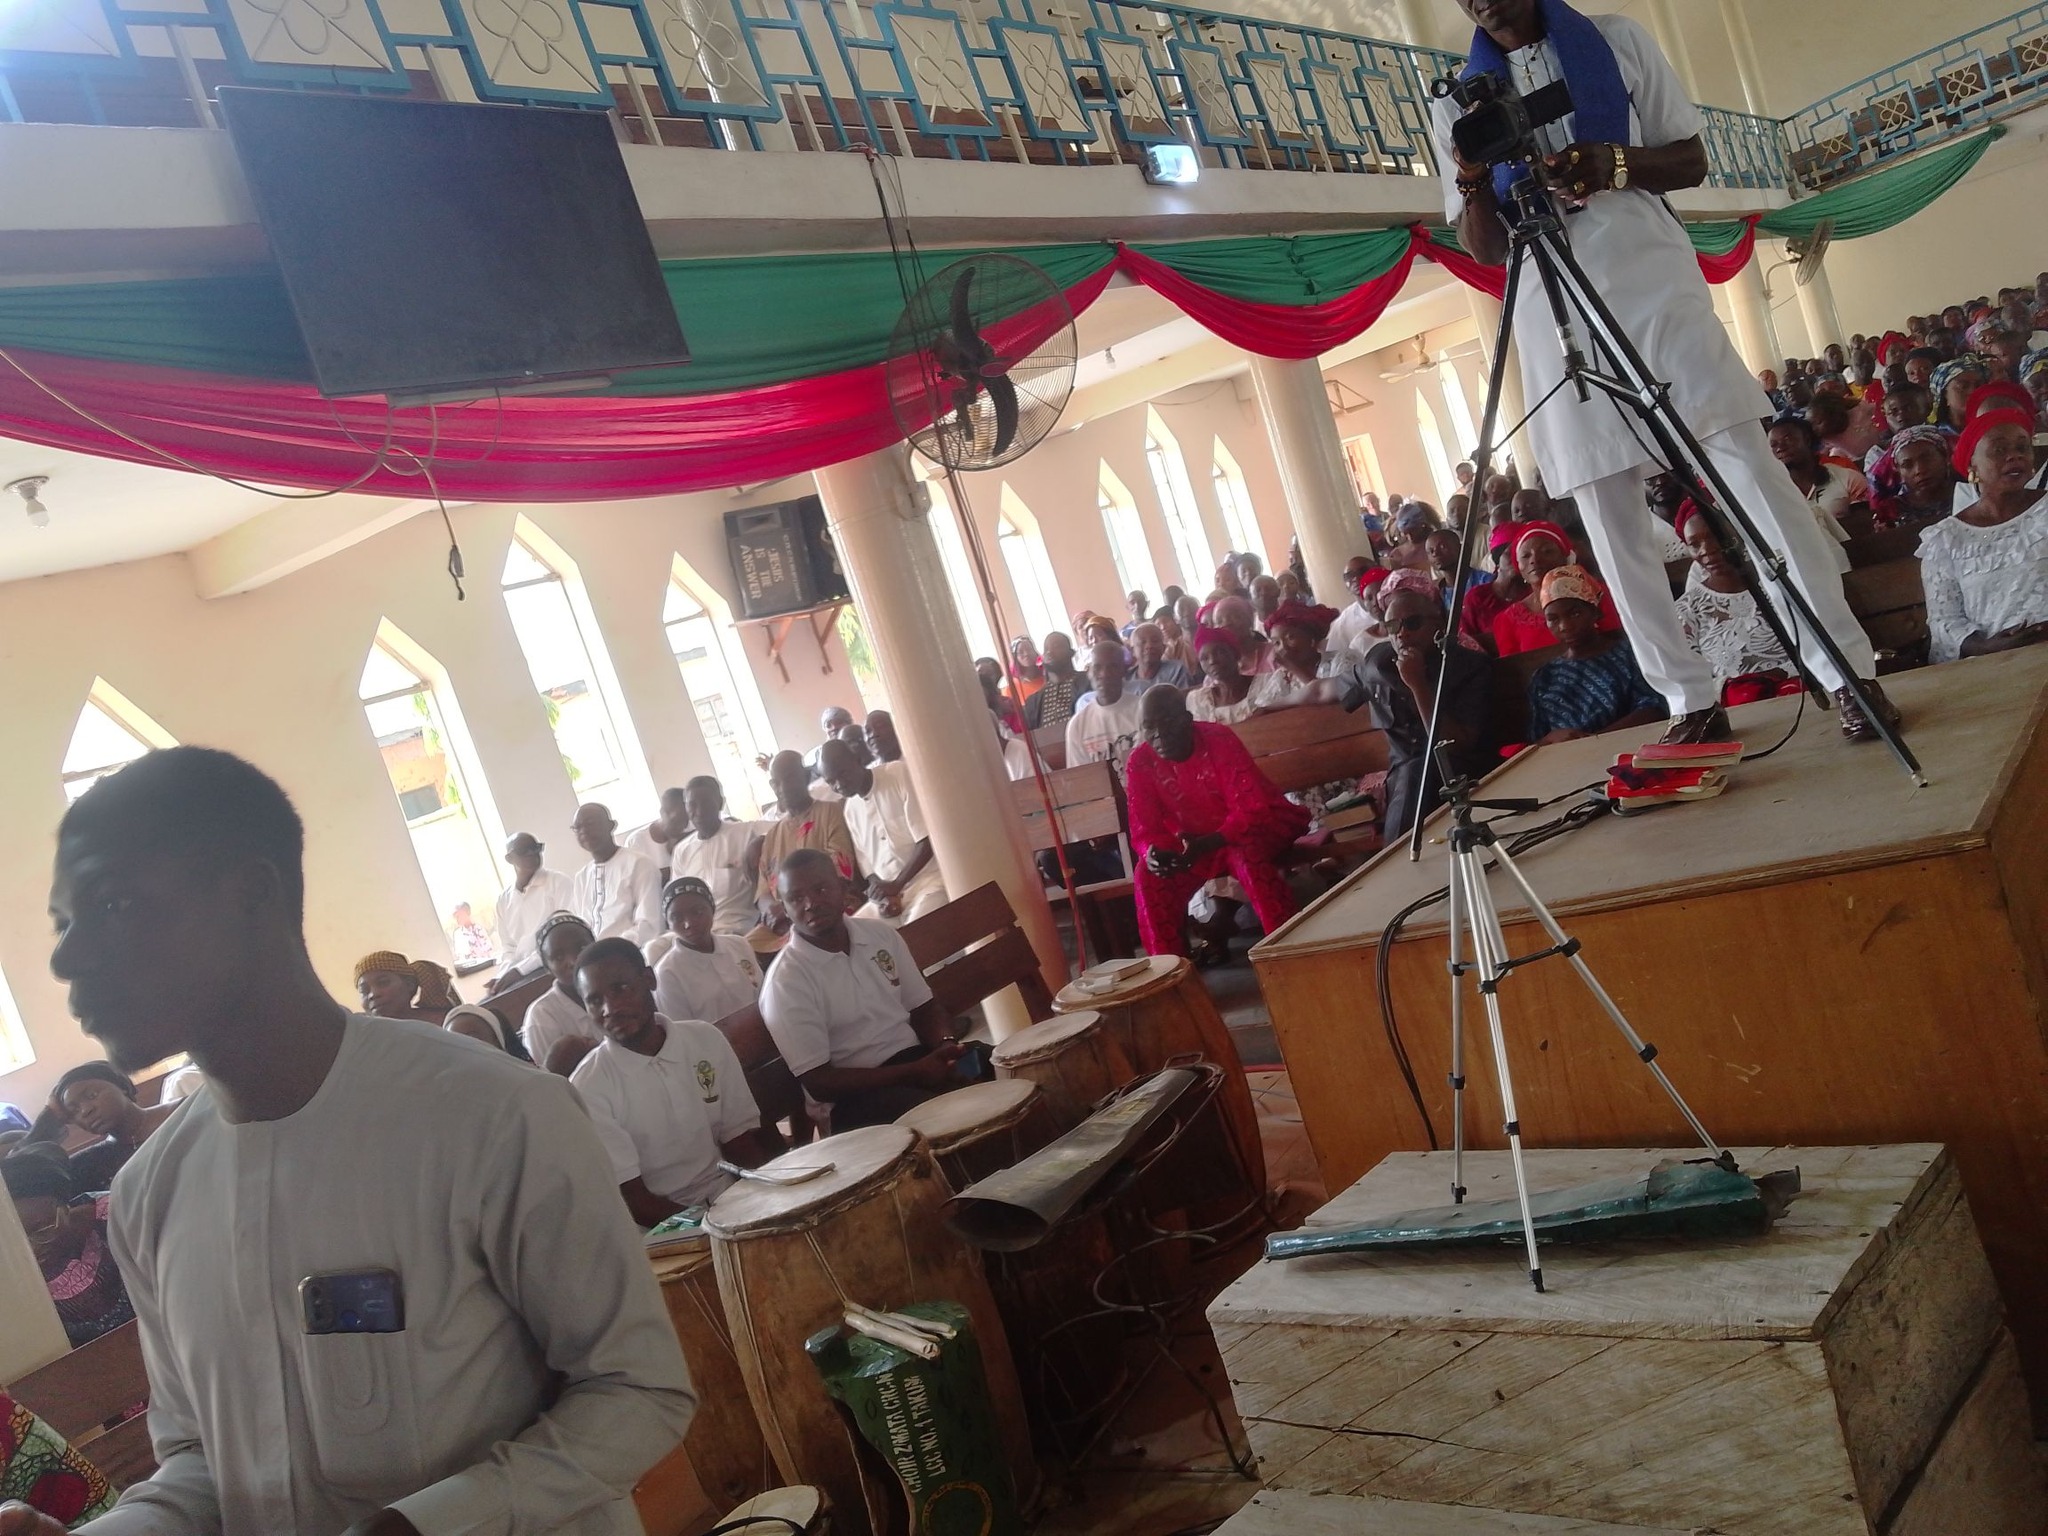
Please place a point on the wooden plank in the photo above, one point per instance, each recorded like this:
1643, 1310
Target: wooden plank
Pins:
1287, 1512
946, 930
1986, 1477
124, 1453
81, 1390
1884, 588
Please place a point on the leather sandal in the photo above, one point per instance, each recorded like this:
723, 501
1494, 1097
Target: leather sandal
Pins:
1695, 726
1856, 726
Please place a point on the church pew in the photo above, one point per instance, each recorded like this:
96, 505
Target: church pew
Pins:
1890, 603
79, 1392
1090, 804
972, 948
776, 1091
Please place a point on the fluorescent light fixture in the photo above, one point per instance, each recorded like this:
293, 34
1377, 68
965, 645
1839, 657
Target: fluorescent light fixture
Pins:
1172, 165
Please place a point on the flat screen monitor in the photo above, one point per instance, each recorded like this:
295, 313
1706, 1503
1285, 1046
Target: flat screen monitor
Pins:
435, 248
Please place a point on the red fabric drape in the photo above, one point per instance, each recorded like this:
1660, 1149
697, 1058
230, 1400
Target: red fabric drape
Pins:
1723, 269
1494, 280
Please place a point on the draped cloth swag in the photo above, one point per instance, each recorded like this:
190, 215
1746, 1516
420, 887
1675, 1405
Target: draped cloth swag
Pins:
788, 356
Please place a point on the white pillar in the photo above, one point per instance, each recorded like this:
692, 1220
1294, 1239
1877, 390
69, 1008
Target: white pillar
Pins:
1320, 496
1486, 313
1748, 70
1755, 332
1817, 307
1418, 23
1671, 38
880, 525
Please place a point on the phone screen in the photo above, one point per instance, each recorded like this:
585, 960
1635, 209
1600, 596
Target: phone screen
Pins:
353, 1301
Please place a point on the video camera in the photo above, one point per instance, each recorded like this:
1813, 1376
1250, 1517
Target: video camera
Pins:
1499, 123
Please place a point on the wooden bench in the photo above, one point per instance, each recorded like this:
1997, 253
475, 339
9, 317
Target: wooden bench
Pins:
1890, 603
1318, 744
776, 1091
511, 1003
1090, 805
79, 1393
972, 948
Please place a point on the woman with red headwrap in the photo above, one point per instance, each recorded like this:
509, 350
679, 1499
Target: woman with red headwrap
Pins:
1986, 569
1225, 695
1539, 548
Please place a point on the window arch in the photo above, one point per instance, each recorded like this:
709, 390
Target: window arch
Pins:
440, 790
15, 1051
1177, 500
1038, 592
1240, 521
572, 671
1433, 450
1460, 408
1126, 534
960, 580
720, 686
110, 734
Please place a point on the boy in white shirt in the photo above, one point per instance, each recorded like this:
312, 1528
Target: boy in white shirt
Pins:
704, 974
848, 1007
714, 851
1104, 726
556, 1031
655, 841
888, 830
668, 1096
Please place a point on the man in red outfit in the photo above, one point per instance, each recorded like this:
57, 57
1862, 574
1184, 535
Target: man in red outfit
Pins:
1200, 809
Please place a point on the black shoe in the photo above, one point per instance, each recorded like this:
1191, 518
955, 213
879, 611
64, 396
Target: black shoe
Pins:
1856, 726
1695, 726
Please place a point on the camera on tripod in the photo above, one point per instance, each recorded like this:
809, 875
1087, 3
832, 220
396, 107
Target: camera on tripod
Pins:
1499, 123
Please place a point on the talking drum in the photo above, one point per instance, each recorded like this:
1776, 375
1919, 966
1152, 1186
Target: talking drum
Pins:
1158, 1010
724, 1443
976, 1131
1073, 1058
790, 1256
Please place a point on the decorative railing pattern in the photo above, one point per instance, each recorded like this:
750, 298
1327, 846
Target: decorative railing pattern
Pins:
1965, 83
1073, 82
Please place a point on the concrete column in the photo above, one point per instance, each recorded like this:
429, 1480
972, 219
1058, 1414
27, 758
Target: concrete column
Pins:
1817, 307
891, 560
1671, 38
1320, 496
1486, 313
1735, 19
1755, 332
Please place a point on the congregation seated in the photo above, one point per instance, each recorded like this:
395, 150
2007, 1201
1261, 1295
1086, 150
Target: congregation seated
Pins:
98, 1098
717, 852
1719, 616
802, 821
1595, 685
1151, 661
667, 1094
1200, 809
557, 1031
1835, 491
618, 893
1985, 570
704, 974
535, 892
888, 831
67, 1233
847, 1006
1104, 726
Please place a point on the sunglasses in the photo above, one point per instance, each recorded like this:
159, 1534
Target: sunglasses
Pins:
1413, 622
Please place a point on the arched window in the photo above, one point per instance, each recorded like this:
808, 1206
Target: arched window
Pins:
1038, 593
111, 733
860, 659
1433, 450
1363, 460
1235, 498
572, 671
960, 573
440, 792
1177, 501
15, 1051
1126, 534
724, 696
1460, 408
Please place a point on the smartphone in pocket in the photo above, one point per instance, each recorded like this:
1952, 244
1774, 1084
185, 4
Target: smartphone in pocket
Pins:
353, 1301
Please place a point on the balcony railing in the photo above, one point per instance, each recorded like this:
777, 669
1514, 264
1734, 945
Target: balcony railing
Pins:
1066, 82
1974, 79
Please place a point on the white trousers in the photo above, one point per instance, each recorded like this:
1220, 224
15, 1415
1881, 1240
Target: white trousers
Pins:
1625, 543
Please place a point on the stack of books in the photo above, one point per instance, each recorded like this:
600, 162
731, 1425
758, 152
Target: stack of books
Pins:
1656, 775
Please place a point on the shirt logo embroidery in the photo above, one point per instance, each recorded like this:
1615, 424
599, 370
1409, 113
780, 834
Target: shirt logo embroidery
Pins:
707, 1081
887, 962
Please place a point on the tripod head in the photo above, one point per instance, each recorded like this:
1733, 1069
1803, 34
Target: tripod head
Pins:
1457, 791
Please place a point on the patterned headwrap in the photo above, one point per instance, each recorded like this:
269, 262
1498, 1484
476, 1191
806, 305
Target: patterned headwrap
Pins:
1981, 426
686, 885
1969, 362
383, 960
1991, 328
1419, 582
553, 921
1296, 614
1939, 436
2033, 363
1573, 581
437, 987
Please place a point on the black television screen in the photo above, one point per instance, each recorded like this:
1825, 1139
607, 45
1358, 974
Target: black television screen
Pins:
433, 247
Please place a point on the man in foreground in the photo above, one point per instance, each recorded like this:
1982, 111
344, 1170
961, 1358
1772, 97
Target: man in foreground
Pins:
530, 1375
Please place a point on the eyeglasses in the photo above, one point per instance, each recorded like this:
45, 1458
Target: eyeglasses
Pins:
1413, 622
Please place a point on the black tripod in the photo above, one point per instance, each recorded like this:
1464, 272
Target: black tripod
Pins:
1536, 231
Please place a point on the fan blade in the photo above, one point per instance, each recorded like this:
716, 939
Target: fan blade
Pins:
1002, 395
964, 334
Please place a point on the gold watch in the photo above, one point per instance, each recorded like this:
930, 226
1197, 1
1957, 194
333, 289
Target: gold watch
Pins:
1620, 167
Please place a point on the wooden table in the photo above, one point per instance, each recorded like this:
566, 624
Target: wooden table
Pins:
1824, 955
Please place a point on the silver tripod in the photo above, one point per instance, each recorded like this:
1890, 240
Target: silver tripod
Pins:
1473, 911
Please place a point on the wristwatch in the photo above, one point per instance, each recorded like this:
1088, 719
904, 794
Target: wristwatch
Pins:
1620, 167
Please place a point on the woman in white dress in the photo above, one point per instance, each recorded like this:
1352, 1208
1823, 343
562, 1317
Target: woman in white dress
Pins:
1719, 615
1986, 568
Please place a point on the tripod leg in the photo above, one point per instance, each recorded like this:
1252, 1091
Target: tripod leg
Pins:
1491, 947
1457, 1029
1645, 1052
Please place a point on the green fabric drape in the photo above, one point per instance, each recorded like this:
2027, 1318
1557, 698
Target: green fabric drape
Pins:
1717, 238
1883, 198
1296, 269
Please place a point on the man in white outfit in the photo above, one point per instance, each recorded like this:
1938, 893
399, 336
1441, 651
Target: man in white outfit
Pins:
1632, 137
618, 892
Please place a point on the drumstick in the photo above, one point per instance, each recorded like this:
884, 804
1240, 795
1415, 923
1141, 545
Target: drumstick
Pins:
931, 1328
875, 1326
778, 1175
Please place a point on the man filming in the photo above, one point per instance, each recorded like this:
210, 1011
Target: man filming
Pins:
1632, 136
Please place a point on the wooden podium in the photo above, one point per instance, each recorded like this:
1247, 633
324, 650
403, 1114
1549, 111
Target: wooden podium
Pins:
1824, 956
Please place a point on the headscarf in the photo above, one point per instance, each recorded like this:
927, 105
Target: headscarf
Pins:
1573, 581
437, 987
553, 921
1981, 335
2003, 392
1420, 582
1311, 617
1980, 426
1969, 362
688, 885
383, 960
1207, 635
1500, 537
483, 1016
1890, 342
2034, 362
1905, 437
1540, 529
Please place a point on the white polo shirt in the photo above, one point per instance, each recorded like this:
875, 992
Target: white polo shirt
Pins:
551, 1018
850, 1010
663, 1117
643, 842
887, 825
520, 914
1104, 733
720, 861
689, 984
620, 898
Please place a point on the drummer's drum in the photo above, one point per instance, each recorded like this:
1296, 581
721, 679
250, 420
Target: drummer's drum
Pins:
976, 1131
724, 1443
1073, 1058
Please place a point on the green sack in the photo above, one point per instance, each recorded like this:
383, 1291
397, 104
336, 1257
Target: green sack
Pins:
929, 1420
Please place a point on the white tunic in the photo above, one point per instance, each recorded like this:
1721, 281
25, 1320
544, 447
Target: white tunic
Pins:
720, 861
663, 1118
537, 1375
520, 914
1638, 259
550, 1019
643, 842
1983, 580
887, 825
850, 1010
1104, 733
689, 984
1354, 621
620, 898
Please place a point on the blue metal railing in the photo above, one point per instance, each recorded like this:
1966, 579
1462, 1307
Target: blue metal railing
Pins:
1073, 82
1952, 89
